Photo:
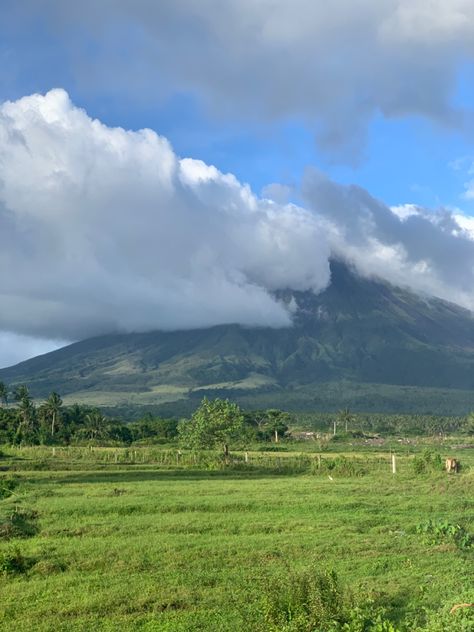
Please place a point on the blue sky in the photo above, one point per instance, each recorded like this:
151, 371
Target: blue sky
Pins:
405, 159
312, 96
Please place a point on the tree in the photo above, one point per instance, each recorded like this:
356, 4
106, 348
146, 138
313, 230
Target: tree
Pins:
346, 417
215, 423
96, 425
270, 424
469, 424
3, 394
276, 423
27, 426
52, 409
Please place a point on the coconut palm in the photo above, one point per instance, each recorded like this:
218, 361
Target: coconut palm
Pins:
27, 410
346, 417
95, 424
52, 409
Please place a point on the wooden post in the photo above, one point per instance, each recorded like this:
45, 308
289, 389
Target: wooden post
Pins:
246, 457
319, 461
54, 451
335, 428
394, 464
276, 436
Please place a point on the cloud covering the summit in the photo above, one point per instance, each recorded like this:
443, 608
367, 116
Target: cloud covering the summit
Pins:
104, 230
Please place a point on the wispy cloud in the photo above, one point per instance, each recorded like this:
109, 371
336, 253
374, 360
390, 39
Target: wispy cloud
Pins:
335, 64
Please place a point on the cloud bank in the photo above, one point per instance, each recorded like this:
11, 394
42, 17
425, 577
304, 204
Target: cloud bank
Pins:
105, 230
337, 64
108, 230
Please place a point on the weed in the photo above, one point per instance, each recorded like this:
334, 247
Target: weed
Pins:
311, 600
444, 532
20, 523
7, 485
13, 561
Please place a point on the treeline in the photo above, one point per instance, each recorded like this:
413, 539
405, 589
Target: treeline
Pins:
387, 424
22, 421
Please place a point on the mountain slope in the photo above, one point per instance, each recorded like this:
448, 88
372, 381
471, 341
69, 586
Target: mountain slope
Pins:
357, 332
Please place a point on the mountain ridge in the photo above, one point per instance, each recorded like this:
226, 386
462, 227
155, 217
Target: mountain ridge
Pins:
358, 331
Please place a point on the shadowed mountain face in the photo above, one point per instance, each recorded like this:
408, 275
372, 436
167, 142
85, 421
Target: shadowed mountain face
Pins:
358, 332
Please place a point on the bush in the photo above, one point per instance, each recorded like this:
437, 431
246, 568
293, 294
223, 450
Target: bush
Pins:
13, 561
7, 485
19, 524
445, 532
462, 620
427, 461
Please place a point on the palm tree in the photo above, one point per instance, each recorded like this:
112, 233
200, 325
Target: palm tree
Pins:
52, 408
21, 392
346, 417
95, 424
4, 393
27, 410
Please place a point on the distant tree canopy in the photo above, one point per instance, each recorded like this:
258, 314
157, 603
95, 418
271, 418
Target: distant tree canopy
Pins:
269, 424
215, 423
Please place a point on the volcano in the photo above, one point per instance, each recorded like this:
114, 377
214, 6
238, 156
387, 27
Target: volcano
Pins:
362, 343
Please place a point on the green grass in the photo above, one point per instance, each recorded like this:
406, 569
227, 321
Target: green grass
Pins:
152, 547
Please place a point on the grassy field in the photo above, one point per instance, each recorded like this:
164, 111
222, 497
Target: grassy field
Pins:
151, 540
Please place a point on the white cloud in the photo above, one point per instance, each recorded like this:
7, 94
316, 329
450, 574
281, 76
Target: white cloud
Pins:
429, 251
105, 230
335, 64
108, 230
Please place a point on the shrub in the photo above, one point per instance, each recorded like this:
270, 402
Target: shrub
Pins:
462, 620
427, 461
7, 485
20, 523
13, 561
445, 532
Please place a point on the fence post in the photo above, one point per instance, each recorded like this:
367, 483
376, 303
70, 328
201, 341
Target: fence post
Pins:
394, 464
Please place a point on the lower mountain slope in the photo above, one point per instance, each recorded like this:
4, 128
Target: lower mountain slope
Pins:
361, 342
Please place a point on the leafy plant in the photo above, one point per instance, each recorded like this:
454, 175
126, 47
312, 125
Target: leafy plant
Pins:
445, 532
427, 461
7, 485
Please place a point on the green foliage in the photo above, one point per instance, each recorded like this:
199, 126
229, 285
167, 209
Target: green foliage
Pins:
3, 393
13, 561
461, 620
215, 423
151, 429
427, 461
19, 523
7, 485
445, 532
